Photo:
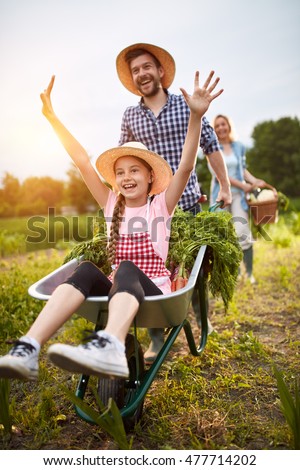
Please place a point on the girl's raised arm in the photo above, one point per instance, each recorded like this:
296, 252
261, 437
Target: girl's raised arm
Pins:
198, 103
77, 153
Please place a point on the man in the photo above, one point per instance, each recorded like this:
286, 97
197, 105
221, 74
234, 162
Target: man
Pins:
160, 122
160, 119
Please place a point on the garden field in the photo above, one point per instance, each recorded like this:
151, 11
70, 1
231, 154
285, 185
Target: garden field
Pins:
228, 398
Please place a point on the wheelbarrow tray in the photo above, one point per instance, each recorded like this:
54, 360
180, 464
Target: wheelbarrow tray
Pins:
159, 311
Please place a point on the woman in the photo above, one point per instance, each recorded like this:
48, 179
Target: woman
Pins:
242, 183
138, 247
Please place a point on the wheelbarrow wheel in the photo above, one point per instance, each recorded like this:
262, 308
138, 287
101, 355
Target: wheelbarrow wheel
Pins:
122, 390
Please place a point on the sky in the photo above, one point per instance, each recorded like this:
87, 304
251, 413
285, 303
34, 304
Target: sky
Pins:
252, 45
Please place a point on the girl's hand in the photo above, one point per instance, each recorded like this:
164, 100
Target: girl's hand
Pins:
47, 108
200, 100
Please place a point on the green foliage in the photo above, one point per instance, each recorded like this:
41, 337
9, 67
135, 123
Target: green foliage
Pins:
294, 205
283, 238
77, 192
216, 230
295, 223
203, 173
9, 195
94, 250
11, 244
290, 406
17, 308
283, 201
280, 233
33, 196
36, 194
225, 399
275, 154
110, 418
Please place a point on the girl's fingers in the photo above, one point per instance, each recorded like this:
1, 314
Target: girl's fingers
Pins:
50, 86
205, 90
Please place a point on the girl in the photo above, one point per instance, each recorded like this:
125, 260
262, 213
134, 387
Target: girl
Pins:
138, 220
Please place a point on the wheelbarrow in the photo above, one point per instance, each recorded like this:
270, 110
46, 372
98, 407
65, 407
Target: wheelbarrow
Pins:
159, 311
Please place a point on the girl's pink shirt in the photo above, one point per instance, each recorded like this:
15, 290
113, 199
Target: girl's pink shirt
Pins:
158, 221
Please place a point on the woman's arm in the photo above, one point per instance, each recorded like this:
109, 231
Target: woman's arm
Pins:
198, 103
249, 183
78, 154
256, 182
243, 185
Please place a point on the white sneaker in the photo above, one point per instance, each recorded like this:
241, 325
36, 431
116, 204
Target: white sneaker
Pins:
99, 356
21, 362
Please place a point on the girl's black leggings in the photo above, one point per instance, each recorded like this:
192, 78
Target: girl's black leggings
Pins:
91, 281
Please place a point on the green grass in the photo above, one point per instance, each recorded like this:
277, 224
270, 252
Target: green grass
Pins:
290, 405
227, 398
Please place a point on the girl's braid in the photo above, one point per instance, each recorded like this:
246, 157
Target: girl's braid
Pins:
115, 227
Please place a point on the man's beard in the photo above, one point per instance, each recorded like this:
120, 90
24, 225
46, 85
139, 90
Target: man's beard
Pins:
156, 86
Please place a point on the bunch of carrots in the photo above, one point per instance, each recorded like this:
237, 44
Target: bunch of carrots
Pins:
181, 265
179, 278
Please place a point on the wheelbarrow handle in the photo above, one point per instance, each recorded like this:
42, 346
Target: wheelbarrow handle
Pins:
216, 206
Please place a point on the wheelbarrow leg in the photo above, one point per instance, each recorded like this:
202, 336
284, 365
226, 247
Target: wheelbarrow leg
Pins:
200, 307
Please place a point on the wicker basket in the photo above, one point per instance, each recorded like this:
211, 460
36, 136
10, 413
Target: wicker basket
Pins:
265, 212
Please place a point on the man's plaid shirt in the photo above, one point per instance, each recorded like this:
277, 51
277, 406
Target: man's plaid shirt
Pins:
165, 135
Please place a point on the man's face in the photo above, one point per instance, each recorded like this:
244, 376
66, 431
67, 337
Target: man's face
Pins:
146, 75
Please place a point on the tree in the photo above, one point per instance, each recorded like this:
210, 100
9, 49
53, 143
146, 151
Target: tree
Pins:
203, 173
275, 155
78, 193
9, 195
40, 193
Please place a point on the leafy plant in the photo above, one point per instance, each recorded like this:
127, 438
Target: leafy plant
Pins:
92, 250
290, 406
110, 418
216, 230
11, 243
95, 249
283, 201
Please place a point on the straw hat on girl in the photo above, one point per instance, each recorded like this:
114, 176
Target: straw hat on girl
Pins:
162, 172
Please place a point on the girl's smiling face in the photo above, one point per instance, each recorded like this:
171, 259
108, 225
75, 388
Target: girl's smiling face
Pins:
133, 178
